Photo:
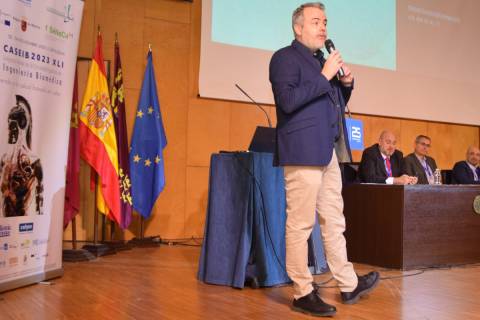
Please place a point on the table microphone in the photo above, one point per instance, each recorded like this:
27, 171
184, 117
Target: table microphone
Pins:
330, 47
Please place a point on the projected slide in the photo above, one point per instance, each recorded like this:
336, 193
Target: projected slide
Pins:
368, 38
414, 59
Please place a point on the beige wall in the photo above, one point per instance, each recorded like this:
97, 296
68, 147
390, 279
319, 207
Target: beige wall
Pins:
196, 127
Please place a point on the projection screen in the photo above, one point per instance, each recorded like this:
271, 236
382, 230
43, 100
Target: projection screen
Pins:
411, 59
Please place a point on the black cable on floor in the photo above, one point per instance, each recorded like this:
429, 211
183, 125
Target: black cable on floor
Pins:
182, 242
415, 272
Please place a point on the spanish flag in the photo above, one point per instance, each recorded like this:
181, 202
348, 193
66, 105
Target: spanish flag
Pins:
98, 145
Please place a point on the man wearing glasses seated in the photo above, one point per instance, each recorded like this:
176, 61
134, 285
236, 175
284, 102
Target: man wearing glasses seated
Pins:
418, 163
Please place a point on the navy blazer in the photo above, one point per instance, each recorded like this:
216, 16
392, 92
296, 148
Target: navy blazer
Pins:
372, 166
462, 174
310, 109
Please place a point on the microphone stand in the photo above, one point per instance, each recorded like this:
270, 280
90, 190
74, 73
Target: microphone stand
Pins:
258, 105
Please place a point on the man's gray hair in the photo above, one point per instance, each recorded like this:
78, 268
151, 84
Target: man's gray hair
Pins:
297, 16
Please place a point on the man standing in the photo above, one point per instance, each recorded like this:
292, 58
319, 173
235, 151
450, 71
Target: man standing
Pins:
418, 163
468, 172
310, 101
382, 163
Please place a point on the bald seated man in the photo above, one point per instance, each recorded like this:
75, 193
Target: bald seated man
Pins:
382, 163
468, 172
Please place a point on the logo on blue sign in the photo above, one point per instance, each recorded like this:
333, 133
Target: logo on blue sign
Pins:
355, 133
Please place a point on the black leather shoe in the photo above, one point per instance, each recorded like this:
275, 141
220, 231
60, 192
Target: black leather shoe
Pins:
365, 284
312, 304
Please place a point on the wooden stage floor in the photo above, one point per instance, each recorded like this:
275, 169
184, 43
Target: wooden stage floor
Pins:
160, 283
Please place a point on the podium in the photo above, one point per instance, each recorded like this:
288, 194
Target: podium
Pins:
244, 235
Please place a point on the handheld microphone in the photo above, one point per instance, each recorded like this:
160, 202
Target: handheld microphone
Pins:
246, 94
330, 47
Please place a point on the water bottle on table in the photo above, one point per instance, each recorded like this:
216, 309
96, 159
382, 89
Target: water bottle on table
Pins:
437, 177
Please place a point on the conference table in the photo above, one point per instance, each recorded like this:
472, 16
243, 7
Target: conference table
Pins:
407, 227
244, 236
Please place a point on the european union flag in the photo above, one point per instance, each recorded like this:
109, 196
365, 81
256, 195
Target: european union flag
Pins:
146, 148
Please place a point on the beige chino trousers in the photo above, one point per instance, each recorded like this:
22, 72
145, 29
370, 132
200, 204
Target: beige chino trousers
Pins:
316, 190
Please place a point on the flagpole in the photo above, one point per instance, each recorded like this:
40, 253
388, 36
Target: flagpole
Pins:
118, 113
112, 230
95, 209
104, 228
97, 249
74, 234
152, 180
72, 187
142, 241
142, 227
104, 174
142, 220
74, 255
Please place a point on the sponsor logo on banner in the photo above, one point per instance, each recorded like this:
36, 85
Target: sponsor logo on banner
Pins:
26, 2
35, 255
25, 227
5, 246
58, 33
3, 13
39, 242
13, 261
13, 245
5, 230
23, 24
65, 14
3, 263
7, 20
25, 244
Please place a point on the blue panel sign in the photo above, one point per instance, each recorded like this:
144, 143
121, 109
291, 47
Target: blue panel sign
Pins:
355, 133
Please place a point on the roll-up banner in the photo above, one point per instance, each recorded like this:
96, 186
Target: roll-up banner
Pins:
38, 52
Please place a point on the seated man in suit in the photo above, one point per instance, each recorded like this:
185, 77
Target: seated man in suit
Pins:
418, 163
468, 172
381, 163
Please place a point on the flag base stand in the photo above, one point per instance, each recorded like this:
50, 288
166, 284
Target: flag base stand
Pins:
142, 241
118, 245
154, 241
72, 255
99, 249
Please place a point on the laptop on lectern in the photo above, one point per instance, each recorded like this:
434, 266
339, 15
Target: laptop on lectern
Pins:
263, 140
